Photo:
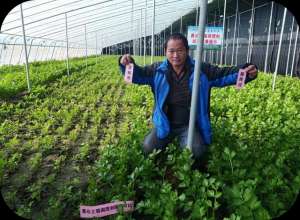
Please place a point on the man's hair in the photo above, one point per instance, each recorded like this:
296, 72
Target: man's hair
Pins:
177, 36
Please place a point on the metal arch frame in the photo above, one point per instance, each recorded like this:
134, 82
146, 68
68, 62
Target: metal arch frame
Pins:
73, 15
36, 38
62, 13
12, 52
53, 50
104, 2
44, 47
20, 54
49, 49
144, 1
113, 26
116, 25
36, 54
24, 48
125, 31
70, 11
100, 19
30, 47
160, 23
40, 44
4, 44
157, 31
175, 5
24, 9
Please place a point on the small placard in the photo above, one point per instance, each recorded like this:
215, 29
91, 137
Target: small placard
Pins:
105, 209
240, 82
128, 73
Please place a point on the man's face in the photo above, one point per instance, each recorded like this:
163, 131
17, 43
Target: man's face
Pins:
176, 53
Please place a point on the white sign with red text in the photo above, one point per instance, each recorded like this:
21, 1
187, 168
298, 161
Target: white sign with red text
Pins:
240, 82
105, 209
128, 73
213, 37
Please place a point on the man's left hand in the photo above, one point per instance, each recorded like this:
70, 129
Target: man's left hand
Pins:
251, 71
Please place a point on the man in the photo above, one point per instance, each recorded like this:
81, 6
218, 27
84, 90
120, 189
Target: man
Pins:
171, 83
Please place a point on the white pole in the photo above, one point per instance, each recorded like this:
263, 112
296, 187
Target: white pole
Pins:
96, 47
102, 43
145, 43
30, 47
224, 19
165, 34
294, 54
197, 12
12, 52
67, 40
133, 43
268, 40
279, 49
226, 47
237, 41
252, 28
290, 43
196, 82
20, 55
141, 35
233, 42
53, 50
85, 46
25, 45
212, 51
180, 24
159, 45
153, 26
162, 44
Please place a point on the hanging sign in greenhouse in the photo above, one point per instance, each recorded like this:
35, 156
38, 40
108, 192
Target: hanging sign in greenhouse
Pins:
213, 37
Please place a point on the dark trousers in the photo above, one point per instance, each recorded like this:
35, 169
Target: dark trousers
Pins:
152, 142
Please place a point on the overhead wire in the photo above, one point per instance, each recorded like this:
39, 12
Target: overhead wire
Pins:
104, 18
72, 10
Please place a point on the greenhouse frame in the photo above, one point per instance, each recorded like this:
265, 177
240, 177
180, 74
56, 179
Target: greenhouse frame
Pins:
52, 31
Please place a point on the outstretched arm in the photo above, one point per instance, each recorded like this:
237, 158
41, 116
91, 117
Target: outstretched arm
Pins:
223, 76
141, 75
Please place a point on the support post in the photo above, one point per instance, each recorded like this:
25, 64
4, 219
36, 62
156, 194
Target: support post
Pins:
145, 34
153, 29
295, 46
96, 48
234, 34
279, 49
196, 82
67, 40
224, 20
268, 39
180, 24
25, 46
85, 47
290, 43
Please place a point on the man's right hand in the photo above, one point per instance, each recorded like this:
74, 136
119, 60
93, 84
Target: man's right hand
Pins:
126, 59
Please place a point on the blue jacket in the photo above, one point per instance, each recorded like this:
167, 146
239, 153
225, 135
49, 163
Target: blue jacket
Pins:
211, 76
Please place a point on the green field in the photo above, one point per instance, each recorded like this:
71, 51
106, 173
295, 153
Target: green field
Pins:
76, 140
